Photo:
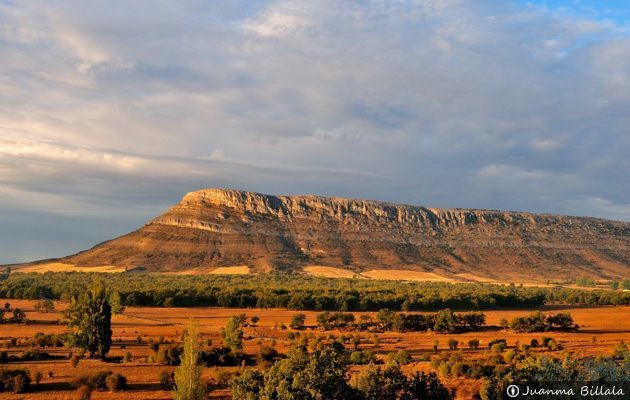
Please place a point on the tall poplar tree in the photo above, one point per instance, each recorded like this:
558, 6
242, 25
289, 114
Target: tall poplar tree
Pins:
188, 382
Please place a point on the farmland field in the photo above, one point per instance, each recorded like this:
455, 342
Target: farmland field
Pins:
601, 330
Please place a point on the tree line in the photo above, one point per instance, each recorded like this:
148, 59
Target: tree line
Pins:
387, 320
300, 292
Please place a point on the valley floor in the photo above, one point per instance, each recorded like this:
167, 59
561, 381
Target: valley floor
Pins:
602, 328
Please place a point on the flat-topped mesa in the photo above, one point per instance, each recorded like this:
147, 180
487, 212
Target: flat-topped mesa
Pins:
223, 227
345, 210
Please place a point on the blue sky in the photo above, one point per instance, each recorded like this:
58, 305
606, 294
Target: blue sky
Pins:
617, 11
111, 111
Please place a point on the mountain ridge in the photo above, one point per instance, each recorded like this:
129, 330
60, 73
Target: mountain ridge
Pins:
212, 228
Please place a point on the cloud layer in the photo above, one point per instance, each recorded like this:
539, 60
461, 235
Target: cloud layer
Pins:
110, 112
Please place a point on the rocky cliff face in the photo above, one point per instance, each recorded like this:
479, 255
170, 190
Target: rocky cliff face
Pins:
216, 227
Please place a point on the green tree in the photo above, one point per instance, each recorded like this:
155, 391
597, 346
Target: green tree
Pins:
374, 383
188, 382
18, 317
45, 305
423, 386
89, 317
116, 302
233, 334
247, 385
301, 376
445, 321
297, 322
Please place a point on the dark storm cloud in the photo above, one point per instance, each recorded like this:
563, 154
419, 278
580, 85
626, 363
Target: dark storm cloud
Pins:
112, 111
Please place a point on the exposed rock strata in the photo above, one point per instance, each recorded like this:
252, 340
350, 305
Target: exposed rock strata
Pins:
217, 227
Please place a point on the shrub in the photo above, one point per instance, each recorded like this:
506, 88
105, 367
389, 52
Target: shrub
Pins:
498, 347
473, 343
459, 369
74, 361
35, 355
84, 393
165, 380
267, 354
452, 344
116, 382
38, 377
400, 357
297, 322
127, 358
621, 351
495, 341
169, 355
534, 343
552, 345
362, 357
96, 381
14, 380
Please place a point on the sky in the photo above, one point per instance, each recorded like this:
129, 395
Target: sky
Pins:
111, 111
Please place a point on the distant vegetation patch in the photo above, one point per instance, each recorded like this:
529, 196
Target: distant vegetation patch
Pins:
301, 292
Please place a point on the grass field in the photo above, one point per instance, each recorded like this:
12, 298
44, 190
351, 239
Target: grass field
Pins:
608, 325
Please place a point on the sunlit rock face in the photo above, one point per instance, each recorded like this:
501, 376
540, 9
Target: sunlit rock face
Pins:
220, 227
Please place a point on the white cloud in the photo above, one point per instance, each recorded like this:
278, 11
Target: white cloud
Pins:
275, 24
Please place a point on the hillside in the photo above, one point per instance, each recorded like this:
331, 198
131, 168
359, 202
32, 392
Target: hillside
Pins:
256, 232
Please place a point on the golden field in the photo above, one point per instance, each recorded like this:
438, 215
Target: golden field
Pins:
608, 324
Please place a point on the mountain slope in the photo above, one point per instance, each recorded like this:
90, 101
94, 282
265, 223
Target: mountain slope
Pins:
217, 227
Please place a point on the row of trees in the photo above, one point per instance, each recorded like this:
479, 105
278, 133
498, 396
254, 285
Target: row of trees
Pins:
299, 292
12, 316
539, 322
388, 320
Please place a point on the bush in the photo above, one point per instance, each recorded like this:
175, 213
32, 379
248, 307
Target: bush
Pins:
168, 355
362, 357
127, 358
38, 377
495, 341
459, 369
74, 361
35, 355
473, 343
166, 380
534, 343
116, 382
84, 393
498, 347
267, 354
14, 380
452, 344
99, 380
400, 357
297, 321
552, 345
